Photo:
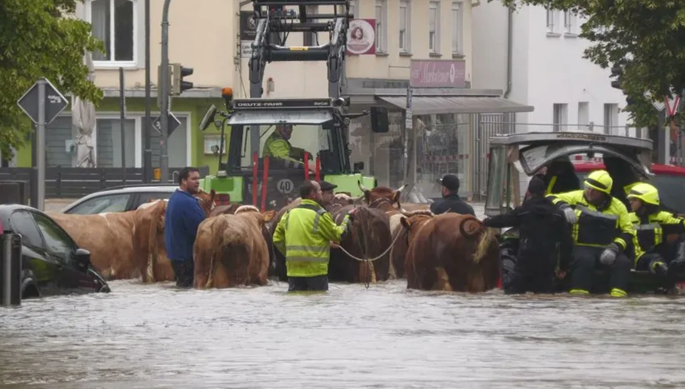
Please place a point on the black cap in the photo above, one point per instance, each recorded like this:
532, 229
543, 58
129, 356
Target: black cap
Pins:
325, 185
536, 186
450, 181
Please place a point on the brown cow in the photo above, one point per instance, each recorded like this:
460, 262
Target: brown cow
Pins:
108, 237
230, 250
119, 242
367, 238
450, 252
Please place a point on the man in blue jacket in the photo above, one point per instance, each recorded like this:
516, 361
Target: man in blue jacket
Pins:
183, 216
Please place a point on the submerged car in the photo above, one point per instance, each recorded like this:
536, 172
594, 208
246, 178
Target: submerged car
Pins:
52, 263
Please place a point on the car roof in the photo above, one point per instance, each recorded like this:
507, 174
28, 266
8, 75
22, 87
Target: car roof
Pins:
122, 190
6, 211
655, 168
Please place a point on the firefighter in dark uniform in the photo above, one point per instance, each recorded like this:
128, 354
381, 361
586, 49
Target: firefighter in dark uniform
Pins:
560, 177
451, 202
601, 232
545, 237
651, 226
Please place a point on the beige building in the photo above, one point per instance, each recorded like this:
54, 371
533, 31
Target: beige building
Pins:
432, 37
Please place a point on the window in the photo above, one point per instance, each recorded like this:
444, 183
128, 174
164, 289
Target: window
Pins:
405, 25
610, 118
569, 22
457, 27
552, 16
560, 112
23, 224
434, 27
114, 23
146, 197
102, 204
57, 241
109, 146
311, 38
381, 26
583, 114
353, 9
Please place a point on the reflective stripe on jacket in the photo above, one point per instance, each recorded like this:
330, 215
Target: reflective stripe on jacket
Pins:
650, 230
304, 235
596, 227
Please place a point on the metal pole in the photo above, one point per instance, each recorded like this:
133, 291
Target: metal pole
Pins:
6, 270
147, 154
164, 89
41, 145
122, 110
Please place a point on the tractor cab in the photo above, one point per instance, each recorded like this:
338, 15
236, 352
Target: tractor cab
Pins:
516, 157
275, 145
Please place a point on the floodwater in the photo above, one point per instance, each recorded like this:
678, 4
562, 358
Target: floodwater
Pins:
156, 336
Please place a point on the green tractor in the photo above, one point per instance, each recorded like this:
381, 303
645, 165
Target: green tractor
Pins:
320, 127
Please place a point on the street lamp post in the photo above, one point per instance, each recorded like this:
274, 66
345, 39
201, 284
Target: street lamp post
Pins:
164, 90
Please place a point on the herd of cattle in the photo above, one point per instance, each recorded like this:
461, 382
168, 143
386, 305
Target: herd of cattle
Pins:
233, 247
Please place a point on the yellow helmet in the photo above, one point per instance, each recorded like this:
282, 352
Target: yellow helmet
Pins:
645, 192
599, 180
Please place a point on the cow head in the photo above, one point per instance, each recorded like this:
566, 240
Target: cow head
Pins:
262, 218
206, 201
381, 194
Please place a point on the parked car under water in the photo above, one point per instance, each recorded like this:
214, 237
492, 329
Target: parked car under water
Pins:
52, 263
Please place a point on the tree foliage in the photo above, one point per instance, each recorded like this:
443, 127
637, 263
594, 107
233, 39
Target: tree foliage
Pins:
40, 38
645, 37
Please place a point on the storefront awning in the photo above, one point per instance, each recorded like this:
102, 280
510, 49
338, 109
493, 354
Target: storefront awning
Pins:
428, 105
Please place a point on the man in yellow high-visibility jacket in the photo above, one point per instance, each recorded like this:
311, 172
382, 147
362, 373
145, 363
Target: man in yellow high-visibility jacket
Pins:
304, 235
601, 232
277, 146
652, 225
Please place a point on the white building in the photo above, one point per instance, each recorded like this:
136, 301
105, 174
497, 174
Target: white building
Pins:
536, 57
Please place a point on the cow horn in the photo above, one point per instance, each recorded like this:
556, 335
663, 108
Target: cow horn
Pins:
361, 186
402, 188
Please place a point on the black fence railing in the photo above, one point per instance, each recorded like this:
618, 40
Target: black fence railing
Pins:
70, 182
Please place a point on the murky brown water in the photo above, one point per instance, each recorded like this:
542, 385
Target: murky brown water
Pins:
155, 336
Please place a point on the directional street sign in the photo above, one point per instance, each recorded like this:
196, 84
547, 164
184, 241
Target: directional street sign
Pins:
54, 102
173, 124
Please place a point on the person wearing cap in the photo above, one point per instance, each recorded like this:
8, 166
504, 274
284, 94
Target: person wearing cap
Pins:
303, 235
451, 202
545, 238
601, 234
327, 194
277, 146
651, 225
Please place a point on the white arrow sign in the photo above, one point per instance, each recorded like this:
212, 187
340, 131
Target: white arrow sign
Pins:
659, 105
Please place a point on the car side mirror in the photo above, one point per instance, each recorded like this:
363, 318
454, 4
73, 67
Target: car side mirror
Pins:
208, 118
82, 257
379, 120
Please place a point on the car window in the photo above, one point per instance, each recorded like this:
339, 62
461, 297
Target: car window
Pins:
56, 239
147, 196
102, 204
23, 224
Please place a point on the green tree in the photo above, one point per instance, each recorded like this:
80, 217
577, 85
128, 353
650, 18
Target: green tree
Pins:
645, 37
40, 38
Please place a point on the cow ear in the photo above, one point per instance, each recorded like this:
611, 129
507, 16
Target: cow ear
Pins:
405, 222
212, 194
269, 215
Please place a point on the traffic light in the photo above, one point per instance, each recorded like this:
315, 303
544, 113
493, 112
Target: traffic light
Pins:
178, 84
617, 71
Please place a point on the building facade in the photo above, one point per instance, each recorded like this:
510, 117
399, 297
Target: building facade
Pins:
536, 56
